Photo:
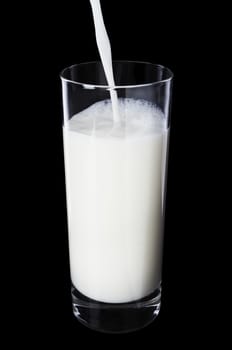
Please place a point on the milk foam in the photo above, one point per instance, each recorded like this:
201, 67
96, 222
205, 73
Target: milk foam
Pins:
138, 118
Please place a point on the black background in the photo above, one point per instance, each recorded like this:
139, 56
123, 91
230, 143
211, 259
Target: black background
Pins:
43, 42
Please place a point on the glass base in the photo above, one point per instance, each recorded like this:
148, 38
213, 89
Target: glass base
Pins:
116, 318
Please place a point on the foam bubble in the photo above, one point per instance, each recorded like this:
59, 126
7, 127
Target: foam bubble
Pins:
138, 117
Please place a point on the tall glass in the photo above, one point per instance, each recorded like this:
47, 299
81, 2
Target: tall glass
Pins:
115, 187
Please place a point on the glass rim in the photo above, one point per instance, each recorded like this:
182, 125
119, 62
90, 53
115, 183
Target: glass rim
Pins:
92, 86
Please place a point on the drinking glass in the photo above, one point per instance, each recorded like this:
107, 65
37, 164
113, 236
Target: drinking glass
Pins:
115, 189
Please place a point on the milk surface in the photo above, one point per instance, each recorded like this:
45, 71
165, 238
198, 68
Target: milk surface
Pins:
114, 183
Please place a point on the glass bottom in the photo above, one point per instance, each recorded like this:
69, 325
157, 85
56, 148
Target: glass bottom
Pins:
116, 318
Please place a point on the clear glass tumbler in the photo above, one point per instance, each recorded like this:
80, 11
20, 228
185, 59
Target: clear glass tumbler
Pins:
115, 186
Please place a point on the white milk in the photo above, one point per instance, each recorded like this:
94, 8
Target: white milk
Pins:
114, 179
104, 49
